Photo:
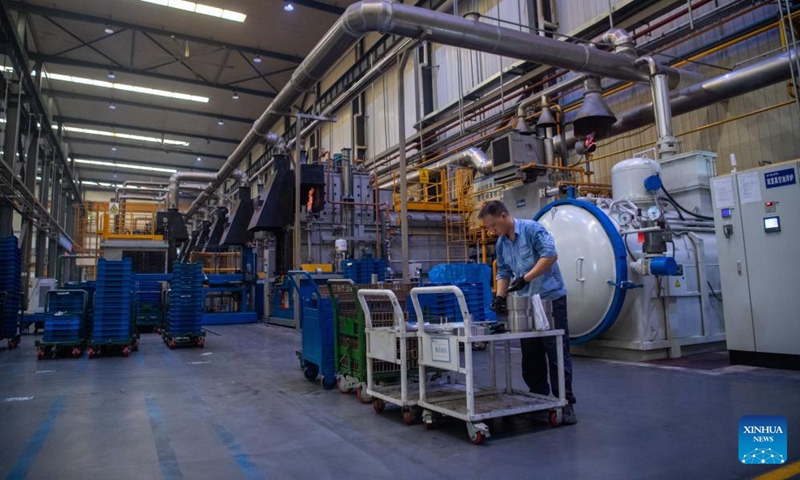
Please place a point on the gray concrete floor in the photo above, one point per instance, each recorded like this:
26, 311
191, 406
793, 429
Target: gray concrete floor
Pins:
240, 408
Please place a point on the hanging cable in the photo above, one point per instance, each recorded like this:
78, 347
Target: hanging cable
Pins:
676, 204
713, 293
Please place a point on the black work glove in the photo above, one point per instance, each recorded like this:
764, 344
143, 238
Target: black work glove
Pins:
498, 305
517, 284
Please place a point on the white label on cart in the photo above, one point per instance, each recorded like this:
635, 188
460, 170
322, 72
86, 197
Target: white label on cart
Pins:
440, 349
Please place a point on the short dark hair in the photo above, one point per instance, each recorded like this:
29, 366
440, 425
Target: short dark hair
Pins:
493, 208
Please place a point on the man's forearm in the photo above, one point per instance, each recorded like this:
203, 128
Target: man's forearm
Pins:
502, 286
541, 266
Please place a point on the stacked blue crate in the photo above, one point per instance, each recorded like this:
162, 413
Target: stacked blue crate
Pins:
443, 307
10, 282
186, 300
112, 304
90, 288
64, 319
63, 328
360, 271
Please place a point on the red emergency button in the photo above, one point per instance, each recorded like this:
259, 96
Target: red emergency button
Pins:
770, 204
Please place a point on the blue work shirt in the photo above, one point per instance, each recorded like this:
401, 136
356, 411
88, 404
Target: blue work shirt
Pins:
531, 242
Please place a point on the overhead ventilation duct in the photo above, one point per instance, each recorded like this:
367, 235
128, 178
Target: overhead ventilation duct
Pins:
472, 157
414, 22
594, 115
747, 79
236, 232
275, 203
217, 229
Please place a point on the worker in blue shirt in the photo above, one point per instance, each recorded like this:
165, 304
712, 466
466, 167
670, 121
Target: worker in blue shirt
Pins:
526, 263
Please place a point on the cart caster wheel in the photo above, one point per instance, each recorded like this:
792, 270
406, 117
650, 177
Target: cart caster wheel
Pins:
429, 425
362, 396
476, 438
40, 354
76, 352
172, 344
379, 405
310, 372
201, 342
126, 351
408, 417
555, 418
341, 387
328, 382
136, 346
91, 353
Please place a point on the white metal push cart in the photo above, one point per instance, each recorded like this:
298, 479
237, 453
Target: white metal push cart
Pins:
440, 346
390, 344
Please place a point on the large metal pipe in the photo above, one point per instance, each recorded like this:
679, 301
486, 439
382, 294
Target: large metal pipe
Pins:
207, 190
472, 157
738, 82
387, 17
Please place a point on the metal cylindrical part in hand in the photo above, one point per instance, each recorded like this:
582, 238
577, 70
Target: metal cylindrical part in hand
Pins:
520, 313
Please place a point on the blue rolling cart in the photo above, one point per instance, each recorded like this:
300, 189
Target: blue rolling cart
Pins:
113, 329
316, 323
186, 300
64, 324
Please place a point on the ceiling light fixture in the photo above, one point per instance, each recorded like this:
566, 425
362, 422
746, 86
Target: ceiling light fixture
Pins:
201, 9
220, 122
199, 159
126, 88
235, 96
288, 6
126, 136
111, 75
111, 106
113, 149
108, 29
257, 59
129, 166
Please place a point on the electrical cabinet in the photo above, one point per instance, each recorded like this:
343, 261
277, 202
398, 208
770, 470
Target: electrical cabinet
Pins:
757, 220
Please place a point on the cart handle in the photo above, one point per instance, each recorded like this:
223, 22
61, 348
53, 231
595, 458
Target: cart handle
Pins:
399, 318
292, 273
462, 303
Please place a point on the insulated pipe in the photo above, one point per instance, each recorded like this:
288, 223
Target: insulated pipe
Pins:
176, 178
667, 144
745, 80
535, 98
404, 20
621, 40
471, 157
175, 184
419, 219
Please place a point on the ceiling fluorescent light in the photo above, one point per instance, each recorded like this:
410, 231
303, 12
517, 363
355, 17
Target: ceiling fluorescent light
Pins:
126, 88
129, 166
126, 136
201, 9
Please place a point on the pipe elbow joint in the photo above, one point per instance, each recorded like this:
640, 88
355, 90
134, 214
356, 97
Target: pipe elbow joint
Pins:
367, 16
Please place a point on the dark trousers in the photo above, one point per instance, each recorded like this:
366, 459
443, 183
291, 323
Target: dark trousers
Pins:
540, 353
